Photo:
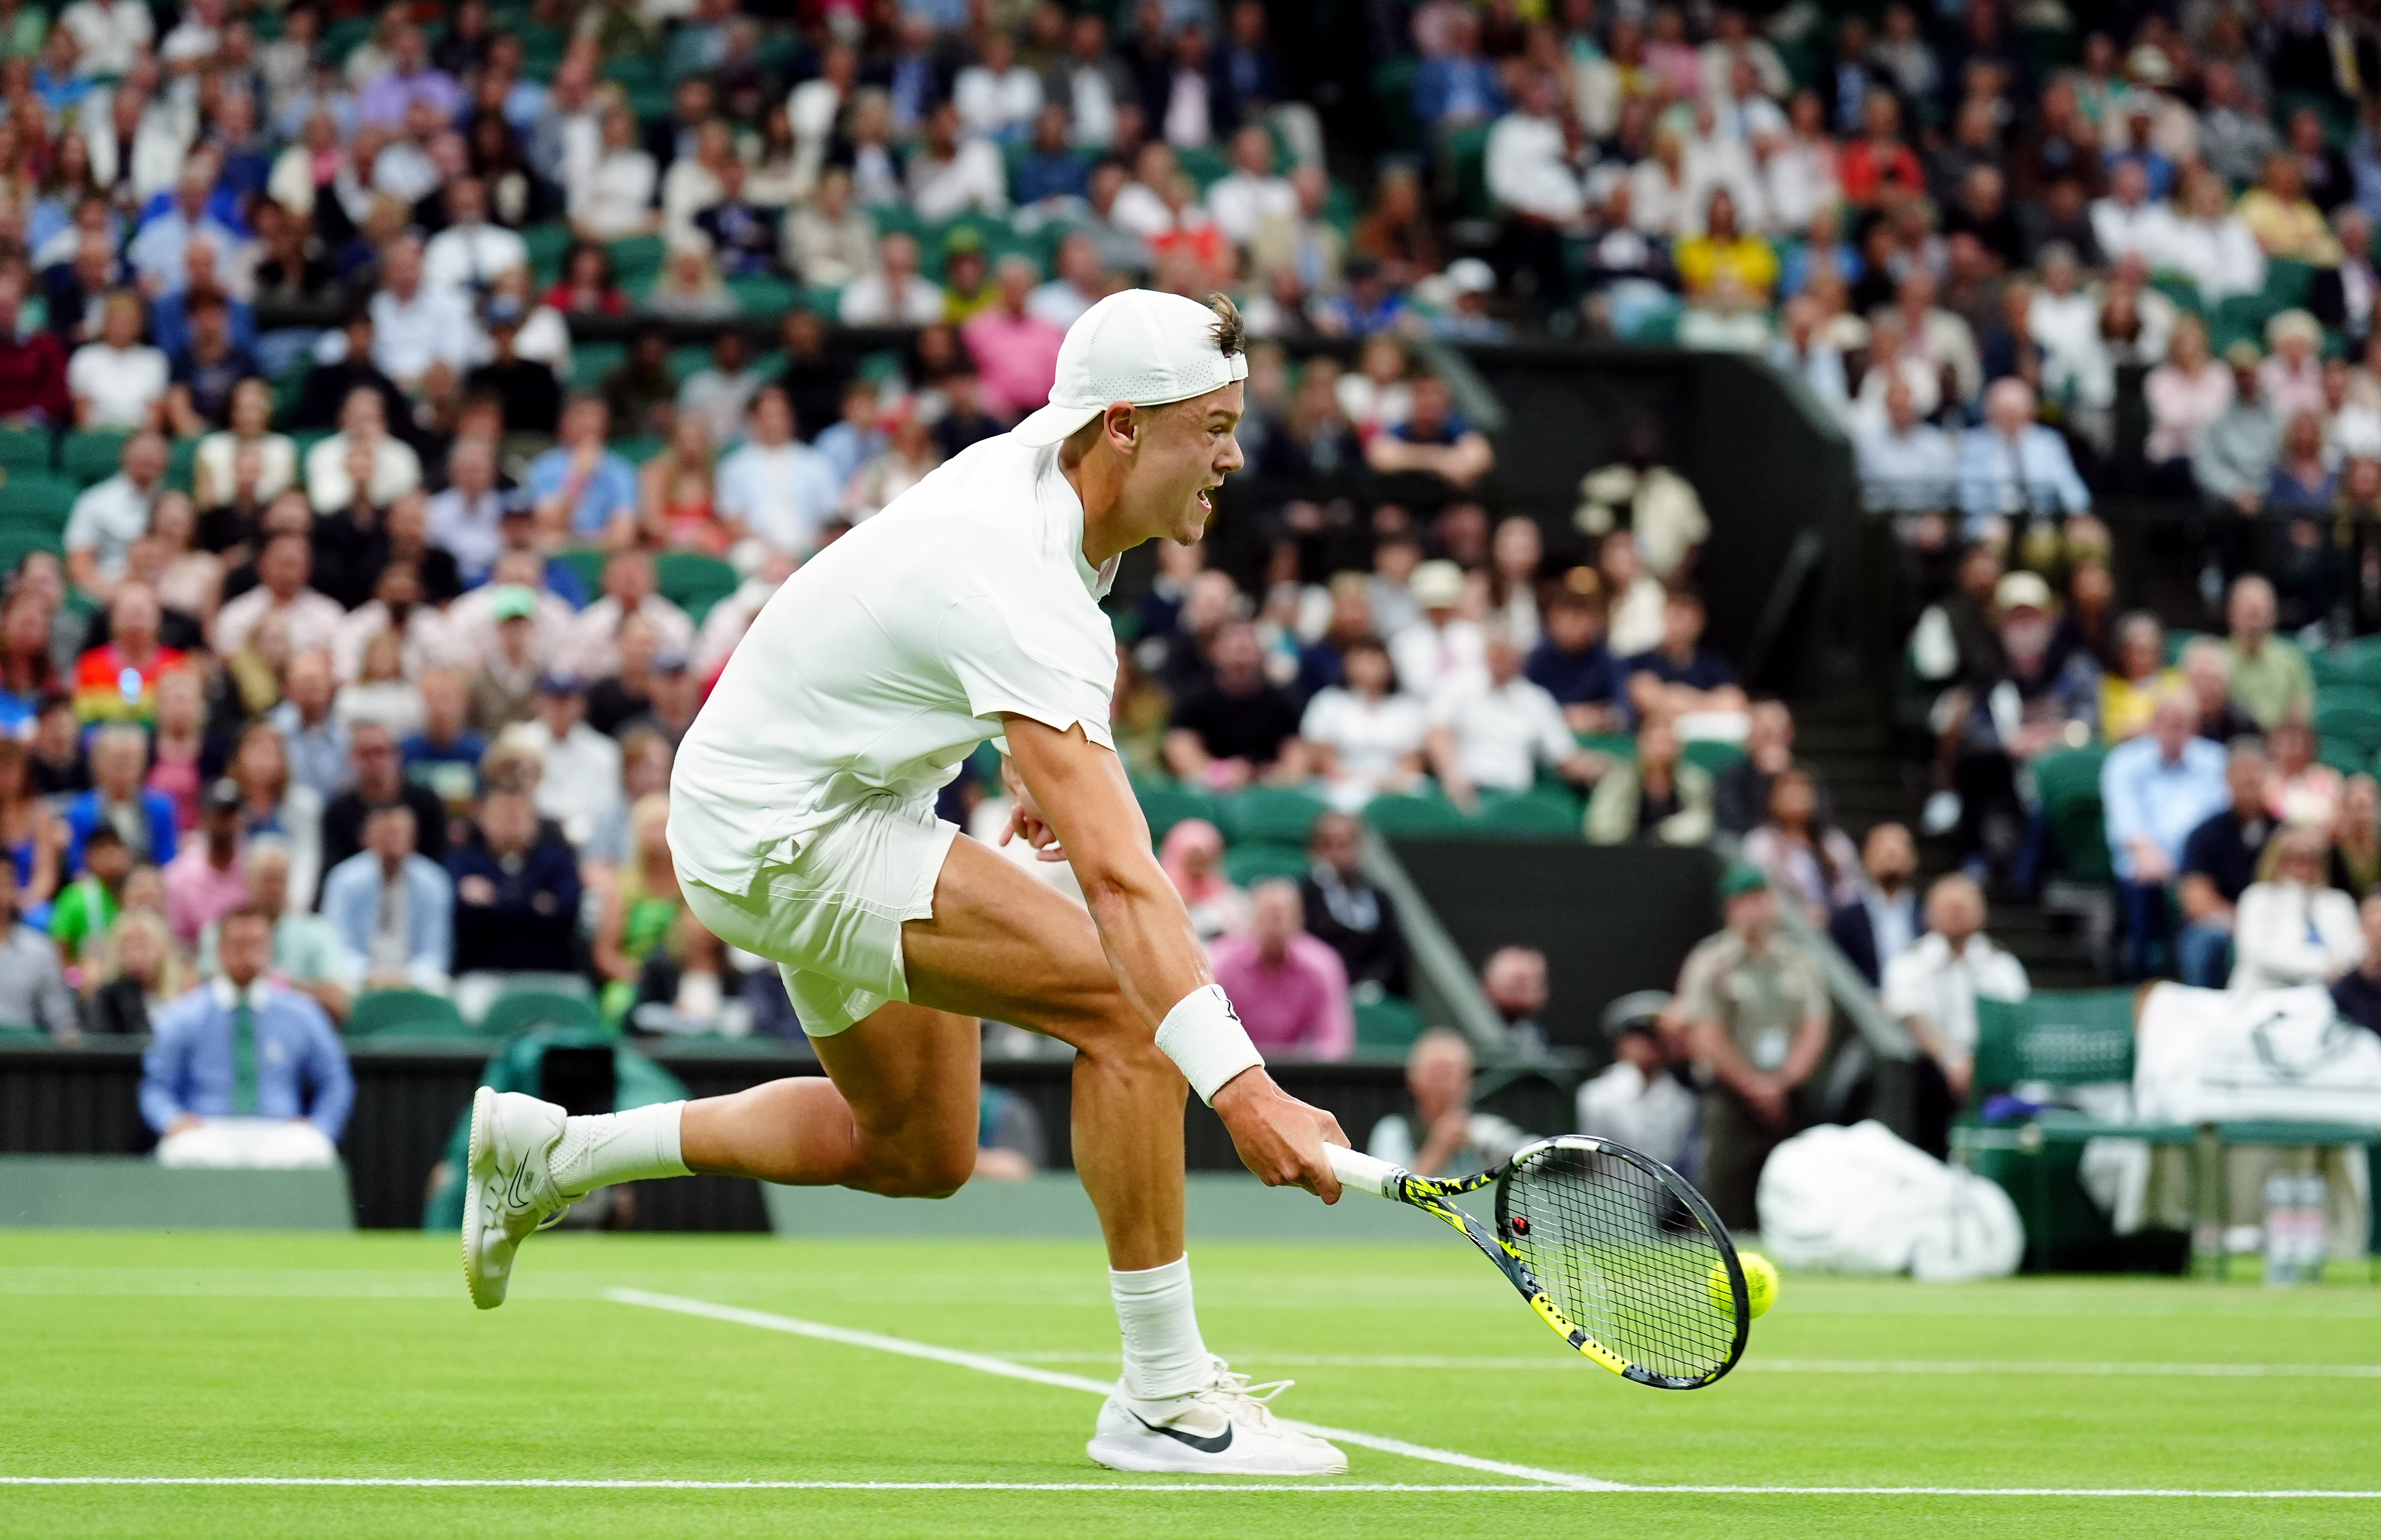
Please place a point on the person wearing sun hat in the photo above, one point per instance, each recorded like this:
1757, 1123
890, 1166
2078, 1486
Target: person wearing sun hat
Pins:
1756, 1009
1445, 644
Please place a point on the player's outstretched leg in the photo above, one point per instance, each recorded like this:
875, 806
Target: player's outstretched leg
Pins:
1002, 945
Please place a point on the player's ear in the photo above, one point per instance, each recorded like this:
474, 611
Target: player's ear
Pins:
1124, 427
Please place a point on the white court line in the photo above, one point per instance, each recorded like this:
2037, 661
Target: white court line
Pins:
1004, 1367
1600, 1489
1555, 1363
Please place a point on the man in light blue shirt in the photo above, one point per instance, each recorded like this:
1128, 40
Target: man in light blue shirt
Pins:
2014, 464
1905, 461
243, 1047
2154, 791
394, 911
585, 483
159, 251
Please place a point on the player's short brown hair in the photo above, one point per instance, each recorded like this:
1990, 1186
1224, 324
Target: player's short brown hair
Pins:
1231, 333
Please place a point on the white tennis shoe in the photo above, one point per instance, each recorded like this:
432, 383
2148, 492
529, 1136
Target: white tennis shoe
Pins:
1222, 1428
510, 1192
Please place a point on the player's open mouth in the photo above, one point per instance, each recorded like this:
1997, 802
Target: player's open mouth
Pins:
1207, 499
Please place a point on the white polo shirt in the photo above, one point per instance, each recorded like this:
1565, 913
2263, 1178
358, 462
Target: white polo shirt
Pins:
891, 655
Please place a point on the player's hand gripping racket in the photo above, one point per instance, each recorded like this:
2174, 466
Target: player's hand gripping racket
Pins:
1613, 1249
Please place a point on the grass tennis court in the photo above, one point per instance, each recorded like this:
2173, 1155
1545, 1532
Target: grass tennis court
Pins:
213, 1356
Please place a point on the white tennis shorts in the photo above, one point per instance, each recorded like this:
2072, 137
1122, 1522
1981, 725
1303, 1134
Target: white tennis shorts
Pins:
831, 918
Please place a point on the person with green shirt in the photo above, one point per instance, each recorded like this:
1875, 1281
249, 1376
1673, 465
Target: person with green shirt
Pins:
2270, 676
86, 907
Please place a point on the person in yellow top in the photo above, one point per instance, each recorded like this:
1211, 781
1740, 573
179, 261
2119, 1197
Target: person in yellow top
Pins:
1725, 248
2128, 697
2284, 219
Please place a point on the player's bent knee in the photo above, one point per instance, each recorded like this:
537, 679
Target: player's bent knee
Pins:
936, 1166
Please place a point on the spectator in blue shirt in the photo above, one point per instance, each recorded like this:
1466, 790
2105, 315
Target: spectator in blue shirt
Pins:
581, 482
243, 1047
394, 911
1572, 664
743, 234
119, 756
2155, 790
1050, 168
445, 755
1458, 86
1681, 675
2014, 464
1434, 440
1369, 303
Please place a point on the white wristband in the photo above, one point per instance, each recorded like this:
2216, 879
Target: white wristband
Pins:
1203, 1036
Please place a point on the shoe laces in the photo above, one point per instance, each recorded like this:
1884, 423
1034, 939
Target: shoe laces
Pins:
1237, 1398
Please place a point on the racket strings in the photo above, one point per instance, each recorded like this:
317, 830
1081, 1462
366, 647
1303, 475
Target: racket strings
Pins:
1620, 1256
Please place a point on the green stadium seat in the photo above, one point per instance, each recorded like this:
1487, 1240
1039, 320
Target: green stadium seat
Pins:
2062, 1037
1386, 1026
405, 1013
637, 259
89, 457
1271, 813
24, 449
2068, 781
28, 497
1543, 811
2331, 668
2353, 720
525, 1009
636, 450
1167, 803
1711, 753
693, 581
1429, 814
2343, 756
18, 542
762, 296
2362, 660
1260, 860
590, 361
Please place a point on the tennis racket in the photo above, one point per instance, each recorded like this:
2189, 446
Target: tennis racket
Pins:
1615, 1250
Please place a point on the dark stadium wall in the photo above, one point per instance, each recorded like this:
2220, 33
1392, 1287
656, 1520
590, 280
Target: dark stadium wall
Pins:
1610, 919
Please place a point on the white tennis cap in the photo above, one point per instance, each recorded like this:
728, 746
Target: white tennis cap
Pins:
1138, 345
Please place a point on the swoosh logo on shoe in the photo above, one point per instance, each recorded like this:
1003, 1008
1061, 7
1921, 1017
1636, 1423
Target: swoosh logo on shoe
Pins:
518, 1194
1216, 1444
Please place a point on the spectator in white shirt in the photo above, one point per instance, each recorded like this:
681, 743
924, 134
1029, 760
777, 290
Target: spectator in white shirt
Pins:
312, 620
780, 491
996, 96
1365, 737
948, 175
2126, 220
119, 382
109, 517
893, 295
1933, 987
1637, 1101
471, 253
580, 782
111, 35
592, 651
418, 327
1528, 160
612, 197
1496, 733
2208, 244
363, 425
1081, 284
1250, 193
2292, 926
825, 238
1442, 646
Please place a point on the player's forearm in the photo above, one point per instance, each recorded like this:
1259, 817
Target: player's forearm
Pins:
1148, 936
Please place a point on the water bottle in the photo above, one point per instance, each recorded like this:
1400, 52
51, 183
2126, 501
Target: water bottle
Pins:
2313, 1194
2281, 1228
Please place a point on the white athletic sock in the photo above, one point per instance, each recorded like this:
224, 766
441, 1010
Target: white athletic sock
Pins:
618, 1146
1163, 1354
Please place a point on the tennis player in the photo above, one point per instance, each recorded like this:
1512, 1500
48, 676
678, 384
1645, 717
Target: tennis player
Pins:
801, 815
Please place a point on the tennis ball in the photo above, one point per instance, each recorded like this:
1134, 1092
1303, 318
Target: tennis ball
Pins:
1760, 1284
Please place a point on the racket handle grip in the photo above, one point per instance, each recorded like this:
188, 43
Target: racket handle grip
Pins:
1361, 1172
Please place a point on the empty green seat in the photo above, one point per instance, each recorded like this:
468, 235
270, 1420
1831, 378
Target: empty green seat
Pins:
1261, 860
37, 496
636, 259
1712, 753
1388, 1025
694, 581
1547, 812
2068, 781
1274, 813
526, 1009
405, 1013
1167, 803
1428, 814
2061, 1037
2352, 721
636, 450
762, 296
24, 449
89, 457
